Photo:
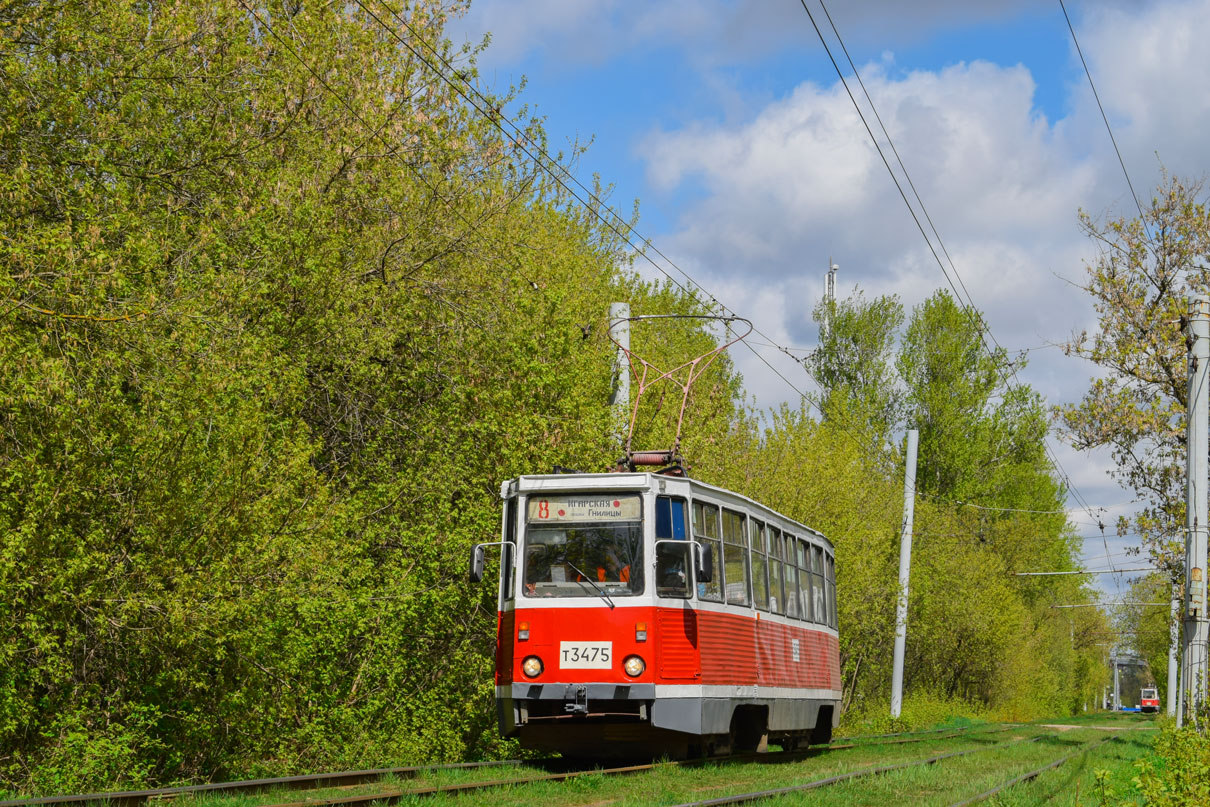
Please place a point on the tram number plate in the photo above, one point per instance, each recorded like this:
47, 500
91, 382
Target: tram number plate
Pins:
585, 655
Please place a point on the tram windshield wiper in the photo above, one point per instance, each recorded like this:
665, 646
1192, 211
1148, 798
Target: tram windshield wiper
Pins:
590, 582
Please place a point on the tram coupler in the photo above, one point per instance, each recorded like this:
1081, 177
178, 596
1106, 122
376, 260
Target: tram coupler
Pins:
577, 699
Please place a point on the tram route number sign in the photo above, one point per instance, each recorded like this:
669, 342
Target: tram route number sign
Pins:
584, 507
586, 655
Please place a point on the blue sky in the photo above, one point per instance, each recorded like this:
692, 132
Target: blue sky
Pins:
727, 121
656, 82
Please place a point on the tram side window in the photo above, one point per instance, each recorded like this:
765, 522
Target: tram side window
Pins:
508, 555
777, 602
831, 580
804, 582
791, 577
706, 530
672, 561
820, 592
735, 558
760, 564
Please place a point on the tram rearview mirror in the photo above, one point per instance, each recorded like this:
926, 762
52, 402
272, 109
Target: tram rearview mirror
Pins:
705, 565
476, 570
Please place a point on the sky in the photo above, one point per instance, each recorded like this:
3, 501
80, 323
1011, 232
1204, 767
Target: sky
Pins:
727, 121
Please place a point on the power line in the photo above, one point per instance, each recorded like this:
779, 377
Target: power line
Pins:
969, 305
894, 150
1082, 571
1115, 603
375, 132
1104, 117
545, 162
495, 120
562, 176
961, 503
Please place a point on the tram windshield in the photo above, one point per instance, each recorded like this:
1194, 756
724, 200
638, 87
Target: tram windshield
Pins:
588, 545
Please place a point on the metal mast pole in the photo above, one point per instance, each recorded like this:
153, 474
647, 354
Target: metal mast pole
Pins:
829, 296
619, 326
1197, 629
905, 566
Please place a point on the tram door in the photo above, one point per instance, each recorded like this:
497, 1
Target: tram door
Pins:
675, 618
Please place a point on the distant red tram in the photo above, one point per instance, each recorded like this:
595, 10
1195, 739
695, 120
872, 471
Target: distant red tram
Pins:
1149, 700
642, 614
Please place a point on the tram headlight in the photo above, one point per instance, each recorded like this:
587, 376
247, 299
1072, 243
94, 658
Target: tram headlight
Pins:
634, 666
532, 666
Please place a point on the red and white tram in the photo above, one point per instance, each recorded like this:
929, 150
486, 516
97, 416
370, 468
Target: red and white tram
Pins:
1149, 700
648, 614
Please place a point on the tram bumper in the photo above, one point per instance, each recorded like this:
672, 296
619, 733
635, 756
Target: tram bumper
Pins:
521, 704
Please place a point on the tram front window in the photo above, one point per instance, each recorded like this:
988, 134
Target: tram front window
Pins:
584, 546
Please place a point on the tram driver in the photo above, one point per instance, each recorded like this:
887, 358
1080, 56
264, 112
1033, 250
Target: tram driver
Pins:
611, 569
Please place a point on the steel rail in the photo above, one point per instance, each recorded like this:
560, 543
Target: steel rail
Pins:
956, 733
136, 798
132, 798
1025, 777
909, 733
398, 794
744, 798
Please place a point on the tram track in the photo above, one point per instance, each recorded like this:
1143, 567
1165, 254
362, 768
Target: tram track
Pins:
1033, 774
748, 798
316, 781
755, 796
352, 779
962, 732
393, 795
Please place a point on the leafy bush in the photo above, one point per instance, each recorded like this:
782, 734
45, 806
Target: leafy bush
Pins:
921, 710
1179, 773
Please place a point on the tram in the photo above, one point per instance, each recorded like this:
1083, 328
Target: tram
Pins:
1149, 700
641, 614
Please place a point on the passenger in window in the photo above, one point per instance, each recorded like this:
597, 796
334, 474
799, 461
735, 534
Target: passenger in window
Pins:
670, 572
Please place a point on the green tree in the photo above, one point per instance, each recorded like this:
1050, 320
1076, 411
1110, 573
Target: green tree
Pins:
1139, 282
856, 356
280, 312
991, 505
981, 436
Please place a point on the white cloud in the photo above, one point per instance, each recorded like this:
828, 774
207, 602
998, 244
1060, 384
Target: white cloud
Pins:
587, 32
1150, 68
802, 181
782, 187
799, 181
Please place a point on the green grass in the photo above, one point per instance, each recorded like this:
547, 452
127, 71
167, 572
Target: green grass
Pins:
672, 785
952, 781
1076, 783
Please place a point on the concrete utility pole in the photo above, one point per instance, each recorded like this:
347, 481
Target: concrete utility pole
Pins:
1197, 628
1174, 653
619, 327
1117, 685
905, 567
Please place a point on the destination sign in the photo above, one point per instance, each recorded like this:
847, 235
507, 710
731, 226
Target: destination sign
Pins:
584, 507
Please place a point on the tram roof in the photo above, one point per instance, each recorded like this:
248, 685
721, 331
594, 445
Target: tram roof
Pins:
530, 483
